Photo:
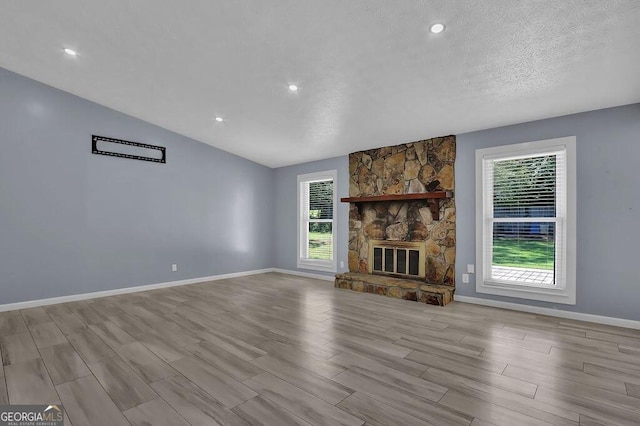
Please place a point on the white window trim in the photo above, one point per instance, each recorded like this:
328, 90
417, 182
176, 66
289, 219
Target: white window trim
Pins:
564, 293
317, 264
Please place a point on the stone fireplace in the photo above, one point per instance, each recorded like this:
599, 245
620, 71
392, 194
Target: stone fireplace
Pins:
402, 234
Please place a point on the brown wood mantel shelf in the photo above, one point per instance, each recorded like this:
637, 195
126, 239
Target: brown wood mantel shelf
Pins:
433, 197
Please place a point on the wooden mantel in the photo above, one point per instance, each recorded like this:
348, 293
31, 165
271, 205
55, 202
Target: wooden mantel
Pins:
433, 197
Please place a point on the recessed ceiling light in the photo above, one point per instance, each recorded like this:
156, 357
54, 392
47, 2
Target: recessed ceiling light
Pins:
70, 52
219, 119
437, 28
293, 87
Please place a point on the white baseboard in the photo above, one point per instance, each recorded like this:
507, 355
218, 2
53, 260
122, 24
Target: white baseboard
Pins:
618, 322
97, 294
304, 274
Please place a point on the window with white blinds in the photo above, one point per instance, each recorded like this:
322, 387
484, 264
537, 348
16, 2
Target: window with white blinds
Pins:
526, 220
316, 228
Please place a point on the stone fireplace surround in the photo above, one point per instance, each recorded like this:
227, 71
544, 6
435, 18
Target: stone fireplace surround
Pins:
409, 168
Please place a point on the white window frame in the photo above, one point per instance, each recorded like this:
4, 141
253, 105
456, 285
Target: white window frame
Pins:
303, 223
564, 291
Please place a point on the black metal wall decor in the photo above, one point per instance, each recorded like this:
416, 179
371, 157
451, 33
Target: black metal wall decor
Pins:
123, 154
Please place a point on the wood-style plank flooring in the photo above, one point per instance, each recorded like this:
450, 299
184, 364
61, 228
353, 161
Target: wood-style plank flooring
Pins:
276, 349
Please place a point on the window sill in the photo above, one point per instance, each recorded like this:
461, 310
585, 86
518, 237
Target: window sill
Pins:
543, 294
317, 265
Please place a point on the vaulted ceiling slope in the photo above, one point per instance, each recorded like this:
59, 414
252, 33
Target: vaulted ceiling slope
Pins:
370, 73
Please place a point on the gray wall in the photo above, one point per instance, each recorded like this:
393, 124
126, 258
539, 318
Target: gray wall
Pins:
73, 222
608, 200
286, 180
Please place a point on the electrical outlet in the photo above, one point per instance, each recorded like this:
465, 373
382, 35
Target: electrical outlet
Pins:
174, 267
471, 268
465, 278
341, 264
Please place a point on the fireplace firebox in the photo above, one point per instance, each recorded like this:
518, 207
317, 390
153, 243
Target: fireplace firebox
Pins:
404, 259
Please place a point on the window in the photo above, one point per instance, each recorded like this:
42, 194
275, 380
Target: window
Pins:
316, 227
526, 220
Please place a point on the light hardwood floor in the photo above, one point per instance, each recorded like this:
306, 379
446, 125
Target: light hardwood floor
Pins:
276, 349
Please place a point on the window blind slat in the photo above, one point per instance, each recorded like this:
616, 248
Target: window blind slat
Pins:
524, 187
320, 198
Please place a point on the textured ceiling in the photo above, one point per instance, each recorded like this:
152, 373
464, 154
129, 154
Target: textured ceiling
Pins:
369, 71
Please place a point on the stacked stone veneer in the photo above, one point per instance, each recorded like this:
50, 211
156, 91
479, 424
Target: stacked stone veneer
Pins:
405, 169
